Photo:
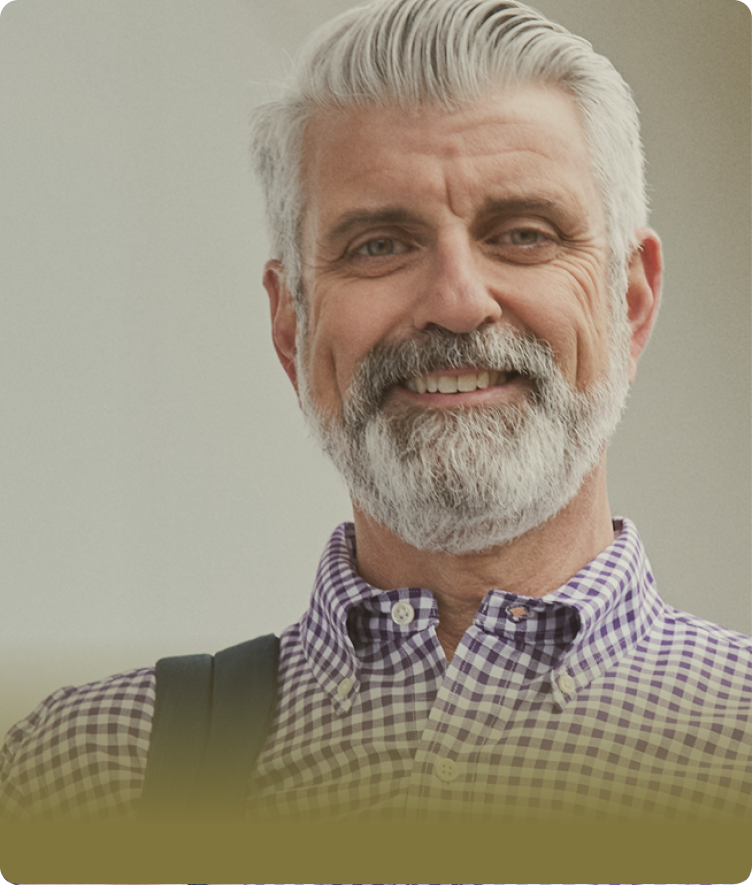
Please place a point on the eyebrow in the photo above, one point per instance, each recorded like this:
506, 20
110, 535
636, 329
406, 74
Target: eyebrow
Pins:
555, 210
490, 209
359, 218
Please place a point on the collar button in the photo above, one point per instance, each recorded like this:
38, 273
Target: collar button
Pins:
403, 613
518, 613
345, 687
566, 683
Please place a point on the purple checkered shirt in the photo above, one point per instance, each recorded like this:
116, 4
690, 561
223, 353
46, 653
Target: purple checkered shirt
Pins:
597, 697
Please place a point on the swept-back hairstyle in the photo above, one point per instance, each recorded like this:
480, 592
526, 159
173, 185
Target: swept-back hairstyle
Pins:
447, 52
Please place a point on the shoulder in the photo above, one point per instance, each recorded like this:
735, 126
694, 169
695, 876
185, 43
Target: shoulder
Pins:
700, 639
703, 666
82, 751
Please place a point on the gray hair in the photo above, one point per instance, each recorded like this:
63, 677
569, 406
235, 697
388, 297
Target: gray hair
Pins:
409, 52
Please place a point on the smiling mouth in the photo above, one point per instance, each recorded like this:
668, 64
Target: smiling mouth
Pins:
436, 382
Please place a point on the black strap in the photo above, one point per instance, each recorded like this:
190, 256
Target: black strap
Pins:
211, 719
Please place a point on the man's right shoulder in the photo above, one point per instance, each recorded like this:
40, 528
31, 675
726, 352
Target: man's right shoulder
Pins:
82, 750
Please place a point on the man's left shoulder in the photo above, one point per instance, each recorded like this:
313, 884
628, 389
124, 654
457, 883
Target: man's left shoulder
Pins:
706, 636
715, 660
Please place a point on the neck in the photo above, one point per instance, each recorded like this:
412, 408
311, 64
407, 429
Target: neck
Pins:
533, 564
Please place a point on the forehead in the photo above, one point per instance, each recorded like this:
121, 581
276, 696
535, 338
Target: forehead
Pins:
507, 144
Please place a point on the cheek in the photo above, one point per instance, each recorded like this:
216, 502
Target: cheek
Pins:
337, 341
344, 327
567, 304
591, 299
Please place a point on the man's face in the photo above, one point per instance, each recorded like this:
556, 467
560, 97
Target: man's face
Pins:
490, 215
458, 332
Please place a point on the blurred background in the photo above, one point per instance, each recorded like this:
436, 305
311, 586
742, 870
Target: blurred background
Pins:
159, 493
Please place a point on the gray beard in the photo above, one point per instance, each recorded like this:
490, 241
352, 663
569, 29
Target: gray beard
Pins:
461, 480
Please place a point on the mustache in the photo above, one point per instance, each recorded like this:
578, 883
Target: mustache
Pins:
393, 362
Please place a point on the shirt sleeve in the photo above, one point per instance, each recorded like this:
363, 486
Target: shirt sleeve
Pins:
81, 753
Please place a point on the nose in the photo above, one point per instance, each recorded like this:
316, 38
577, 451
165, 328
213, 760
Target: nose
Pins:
455, 296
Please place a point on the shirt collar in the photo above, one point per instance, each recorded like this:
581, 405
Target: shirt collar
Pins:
617, 603
599, 614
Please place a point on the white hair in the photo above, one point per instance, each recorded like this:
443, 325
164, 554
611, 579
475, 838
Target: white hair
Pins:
462, 480
448, 52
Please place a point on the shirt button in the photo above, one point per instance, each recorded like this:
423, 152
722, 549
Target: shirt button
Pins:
446, 770
345, 687
403, 613
566, 683
518, 613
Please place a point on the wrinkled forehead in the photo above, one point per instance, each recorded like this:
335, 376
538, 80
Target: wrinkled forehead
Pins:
513, 134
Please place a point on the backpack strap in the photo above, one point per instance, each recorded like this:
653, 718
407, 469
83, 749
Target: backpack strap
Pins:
211, 719
245, 693
180, 727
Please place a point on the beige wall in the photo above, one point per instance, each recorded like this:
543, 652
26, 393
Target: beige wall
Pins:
158, 493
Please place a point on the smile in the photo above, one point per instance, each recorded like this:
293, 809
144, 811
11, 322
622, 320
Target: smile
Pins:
454, 383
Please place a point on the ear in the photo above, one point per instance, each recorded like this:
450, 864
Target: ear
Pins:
284, 318
643, 293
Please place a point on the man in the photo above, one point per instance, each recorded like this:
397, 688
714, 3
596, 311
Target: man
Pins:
463, 284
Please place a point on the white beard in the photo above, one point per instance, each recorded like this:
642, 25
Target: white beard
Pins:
461, 480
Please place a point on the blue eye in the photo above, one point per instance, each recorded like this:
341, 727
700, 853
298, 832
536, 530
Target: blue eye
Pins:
524, 237
379, 248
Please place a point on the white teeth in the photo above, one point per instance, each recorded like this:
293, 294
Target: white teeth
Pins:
466, 383
447, 384
456, 383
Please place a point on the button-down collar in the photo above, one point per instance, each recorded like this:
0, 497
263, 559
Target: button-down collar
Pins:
579, 630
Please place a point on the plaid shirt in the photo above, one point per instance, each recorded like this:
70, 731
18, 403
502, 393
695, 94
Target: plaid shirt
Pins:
596, 697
